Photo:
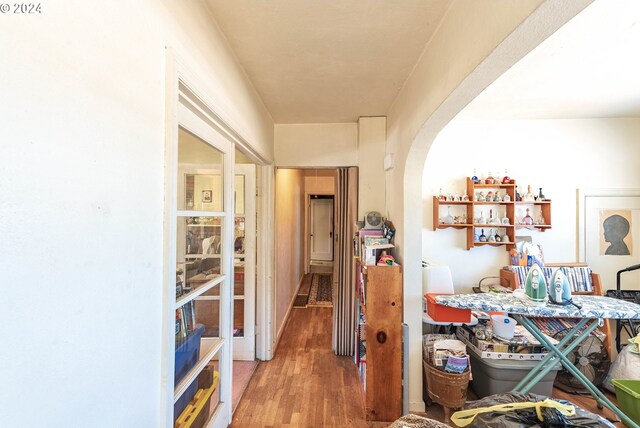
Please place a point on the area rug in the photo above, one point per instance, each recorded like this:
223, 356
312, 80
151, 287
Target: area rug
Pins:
321, 291
303, 293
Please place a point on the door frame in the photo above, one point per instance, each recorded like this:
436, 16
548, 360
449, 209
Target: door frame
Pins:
307, 224
319, 201
244, 350
180, 76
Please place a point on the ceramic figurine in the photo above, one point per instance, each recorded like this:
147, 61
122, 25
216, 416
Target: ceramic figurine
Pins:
518, 196
482, 237
528, 197
489, 179
441, 196
480, 196
540, 195
506, 179
491, 220
506, 198
496, 197
482, 219
492, 237
559, 289
489, 197
474, 178
536, 285
465, 198
497, 237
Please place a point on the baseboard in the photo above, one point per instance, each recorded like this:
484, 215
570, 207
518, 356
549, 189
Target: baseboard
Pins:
417, 406
286, 317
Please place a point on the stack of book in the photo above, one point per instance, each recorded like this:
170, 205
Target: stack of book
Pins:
185, 322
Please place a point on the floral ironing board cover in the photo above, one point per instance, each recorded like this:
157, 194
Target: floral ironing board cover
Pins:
592, 306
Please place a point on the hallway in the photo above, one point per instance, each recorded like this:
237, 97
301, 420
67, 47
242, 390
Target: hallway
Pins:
306, 384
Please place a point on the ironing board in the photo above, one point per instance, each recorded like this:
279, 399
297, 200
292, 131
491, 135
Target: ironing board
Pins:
593, 310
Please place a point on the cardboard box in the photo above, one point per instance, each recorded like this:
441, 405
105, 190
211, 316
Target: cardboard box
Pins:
443, 313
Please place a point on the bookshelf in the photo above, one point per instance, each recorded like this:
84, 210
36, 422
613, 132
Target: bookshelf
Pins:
505, 218
378, 336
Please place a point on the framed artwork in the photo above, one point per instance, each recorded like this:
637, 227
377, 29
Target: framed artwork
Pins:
608, 227
207, 196
615, 233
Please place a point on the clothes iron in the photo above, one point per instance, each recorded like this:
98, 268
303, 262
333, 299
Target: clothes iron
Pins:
536, 285
560, 290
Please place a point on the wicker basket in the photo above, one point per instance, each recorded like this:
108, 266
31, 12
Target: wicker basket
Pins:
447, 389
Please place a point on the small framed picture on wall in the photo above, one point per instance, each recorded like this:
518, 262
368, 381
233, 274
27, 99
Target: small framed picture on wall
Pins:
207, 196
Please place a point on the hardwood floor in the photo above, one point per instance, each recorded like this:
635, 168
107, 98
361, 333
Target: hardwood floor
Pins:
305, 384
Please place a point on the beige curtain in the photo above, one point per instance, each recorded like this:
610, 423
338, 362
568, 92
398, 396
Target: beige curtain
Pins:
344, 317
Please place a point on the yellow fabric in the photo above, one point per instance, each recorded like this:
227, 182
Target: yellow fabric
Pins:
196, 405
465, 417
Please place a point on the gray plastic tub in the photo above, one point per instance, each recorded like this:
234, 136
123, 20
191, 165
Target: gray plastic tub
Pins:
498, 376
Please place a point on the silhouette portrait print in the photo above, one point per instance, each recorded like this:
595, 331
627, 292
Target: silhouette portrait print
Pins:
616, 228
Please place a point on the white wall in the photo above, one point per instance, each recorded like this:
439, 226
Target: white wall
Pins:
289, 226
560, 156
372, 139
476, 42
81, 179
316, 145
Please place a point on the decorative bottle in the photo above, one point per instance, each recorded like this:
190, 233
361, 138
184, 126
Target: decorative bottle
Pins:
528, 197
474, 177
506, 179
540, 195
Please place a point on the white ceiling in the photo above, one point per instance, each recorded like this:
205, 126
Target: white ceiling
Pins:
333, 61
589, 68
317, 61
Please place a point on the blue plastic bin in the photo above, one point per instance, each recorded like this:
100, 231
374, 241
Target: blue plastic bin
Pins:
187, 355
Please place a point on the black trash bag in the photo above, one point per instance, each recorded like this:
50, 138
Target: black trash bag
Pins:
521, 418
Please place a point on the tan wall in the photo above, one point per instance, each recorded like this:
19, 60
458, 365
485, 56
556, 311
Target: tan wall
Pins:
372, 139
316, 145
83, 104
289, 226
320, 184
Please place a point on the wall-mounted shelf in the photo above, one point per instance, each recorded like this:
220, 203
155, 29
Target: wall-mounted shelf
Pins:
510, 209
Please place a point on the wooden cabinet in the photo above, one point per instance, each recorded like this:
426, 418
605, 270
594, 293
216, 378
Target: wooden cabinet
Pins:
379, 339
502, 215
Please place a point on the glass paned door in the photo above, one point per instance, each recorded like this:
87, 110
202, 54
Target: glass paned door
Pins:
244, 259
203, 242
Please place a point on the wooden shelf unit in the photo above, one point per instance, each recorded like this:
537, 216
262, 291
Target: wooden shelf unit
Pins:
381, 289
511, 280
510, 210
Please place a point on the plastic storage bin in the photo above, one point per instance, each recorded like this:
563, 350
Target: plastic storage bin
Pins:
628, 396
187, 355
444, 313
499, 376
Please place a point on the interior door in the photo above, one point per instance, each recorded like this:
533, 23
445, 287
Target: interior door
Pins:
244, 300
321, 229
200, 267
